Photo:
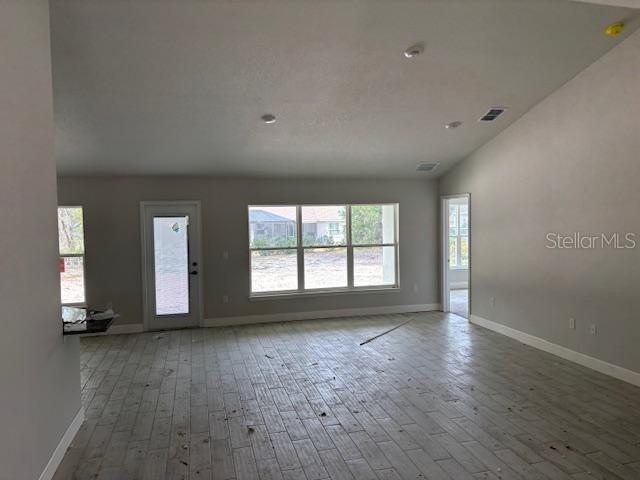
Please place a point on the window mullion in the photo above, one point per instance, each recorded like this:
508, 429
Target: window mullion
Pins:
349, 246
396, 241
300, 249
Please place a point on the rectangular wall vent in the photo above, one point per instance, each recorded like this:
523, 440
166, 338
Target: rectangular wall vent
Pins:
492, 114
427, 167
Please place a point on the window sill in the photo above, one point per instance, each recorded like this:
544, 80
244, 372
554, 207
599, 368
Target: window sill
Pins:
321, 293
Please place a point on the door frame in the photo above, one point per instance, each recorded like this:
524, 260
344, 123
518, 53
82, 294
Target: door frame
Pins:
198, 308
444, 250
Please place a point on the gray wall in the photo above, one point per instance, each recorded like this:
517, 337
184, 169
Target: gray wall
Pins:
39, 374
571, 164
112, 236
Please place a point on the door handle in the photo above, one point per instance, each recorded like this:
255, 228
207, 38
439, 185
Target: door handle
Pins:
195, 272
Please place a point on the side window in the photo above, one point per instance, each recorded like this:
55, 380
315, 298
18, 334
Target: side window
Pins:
71, 246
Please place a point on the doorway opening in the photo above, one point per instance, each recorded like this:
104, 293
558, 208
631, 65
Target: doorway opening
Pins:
171, 264
456, 254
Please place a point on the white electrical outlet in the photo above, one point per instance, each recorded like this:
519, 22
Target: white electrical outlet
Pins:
225, 299
572, 323
225, 255
593, 329
415, 288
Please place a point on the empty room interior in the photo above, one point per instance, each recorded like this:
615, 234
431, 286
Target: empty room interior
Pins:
308, 240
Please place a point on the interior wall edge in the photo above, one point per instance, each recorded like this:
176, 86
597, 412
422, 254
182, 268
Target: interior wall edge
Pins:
65, 442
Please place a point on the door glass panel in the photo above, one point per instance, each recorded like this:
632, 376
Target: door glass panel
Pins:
171, 254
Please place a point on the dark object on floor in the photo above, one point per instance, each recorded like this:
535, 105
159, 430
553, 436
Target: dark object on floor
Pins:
388, 331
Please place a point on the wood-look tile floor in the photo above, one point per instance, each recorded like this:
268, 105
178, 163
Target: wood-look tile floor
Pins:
438, 398
459, 302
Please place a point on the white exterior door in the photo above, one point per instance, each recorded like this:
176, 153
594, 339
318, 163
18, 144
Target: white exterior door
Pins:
171, 264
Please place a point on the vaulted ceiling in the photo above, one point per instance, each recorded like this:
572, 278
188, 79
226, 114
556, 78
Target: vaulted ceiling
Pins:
178, 87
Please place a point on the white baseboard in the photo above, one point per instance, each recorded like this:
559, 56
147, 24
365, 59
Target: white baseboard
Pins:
601, 366
317, 314
58, 454
127, 328
119, 330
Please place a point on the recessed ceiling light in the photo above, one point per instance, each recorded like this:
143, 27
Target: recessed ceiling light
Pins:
268, 118
414, 50
452, 125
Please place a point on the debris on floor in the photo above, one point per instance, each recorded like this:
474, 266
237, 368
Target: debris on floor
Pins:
385, 332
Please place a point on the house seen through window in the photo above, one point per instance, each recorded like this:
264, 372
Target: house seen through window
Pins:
299, 248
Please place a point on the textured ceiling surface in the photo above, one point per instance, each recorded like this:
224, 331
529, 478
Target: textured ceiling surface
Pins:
178, 87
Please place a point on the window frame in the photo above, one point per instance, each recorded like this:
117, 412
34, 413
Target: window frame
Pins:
348, 244
75, 255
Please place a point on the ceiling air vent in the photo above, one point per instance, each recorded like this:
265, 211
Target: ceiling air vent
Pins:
492, 114
427, 167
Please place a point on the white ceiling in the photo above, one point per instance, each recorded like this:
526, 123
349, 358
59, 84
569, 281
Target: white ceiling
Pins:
178, 87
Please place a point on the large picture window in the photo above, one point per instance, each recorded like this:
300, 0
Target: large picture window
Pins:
315, 248
458, 236
71, 245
